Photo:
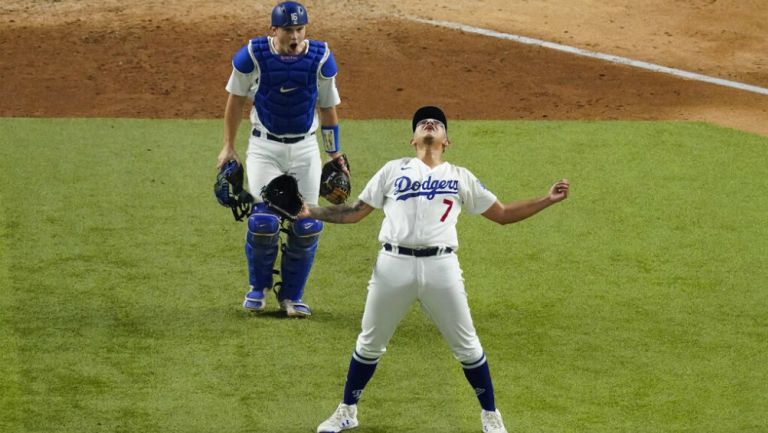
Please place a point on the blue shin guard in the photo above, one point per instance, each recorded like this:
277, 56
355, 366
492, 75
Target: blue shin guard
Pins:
298, 255
261, 247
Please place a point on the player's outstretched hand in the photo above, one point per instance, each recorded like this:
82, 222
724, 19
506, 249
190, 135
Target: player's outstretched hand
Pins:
559, 191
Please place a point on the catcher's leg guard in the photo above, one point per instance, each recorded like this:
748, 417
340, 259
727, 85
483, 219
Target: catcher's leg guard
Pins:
298, 255
260, 251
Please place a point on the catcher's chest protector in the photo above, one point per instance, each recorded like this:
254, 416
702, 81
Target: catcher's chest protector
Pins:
287, 94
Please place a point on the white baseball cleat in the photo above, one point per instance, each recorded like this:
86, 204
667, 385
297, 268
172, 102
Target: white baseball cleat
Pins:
344, 418
492, 422
295, 308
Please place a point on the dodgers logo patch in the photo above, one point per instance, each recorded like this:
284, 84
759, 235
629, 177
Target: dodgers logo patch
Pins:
406, 188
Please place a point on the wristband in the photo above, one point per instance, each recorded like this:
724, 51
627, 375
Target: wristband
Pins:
330, 136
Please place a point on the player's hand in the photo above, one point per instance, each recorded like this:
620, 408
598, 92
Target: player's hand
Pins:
345, 166
559, 191
304, 212
227, 154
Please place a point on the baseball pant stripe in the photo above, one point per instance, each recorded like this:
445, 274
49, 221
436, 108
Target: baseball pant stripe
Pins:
471, 365
363, 360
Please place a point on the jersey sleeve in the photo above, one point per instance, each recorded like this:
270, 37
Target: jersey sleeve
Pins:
329, 69
242, 60
374, 192
239, 83
328, 94
244, 73
475, 196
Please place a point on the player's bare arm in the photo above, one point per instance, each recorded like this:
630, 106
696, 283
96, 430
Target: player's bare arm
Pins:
328, 116
519, 210
233, 115
340, 213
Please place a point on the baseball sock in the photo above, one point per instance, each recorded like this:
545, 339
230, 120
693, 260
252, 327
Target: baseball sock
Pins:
479, 376
360, 372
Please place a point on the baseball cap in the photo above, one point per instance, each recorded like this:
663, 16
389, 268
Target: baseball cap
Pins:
429, 112
289, 14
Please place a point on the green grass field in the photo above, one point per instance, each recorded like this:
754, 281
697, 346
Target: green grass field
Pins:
638, 305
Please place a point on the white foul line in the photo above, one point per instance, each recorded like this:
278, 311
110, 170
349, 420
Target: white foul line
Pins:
596, 55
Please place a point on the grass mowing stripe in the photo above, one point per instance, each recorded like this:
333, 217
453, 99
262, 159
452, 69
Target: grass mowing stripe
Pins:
637, 305
10, 366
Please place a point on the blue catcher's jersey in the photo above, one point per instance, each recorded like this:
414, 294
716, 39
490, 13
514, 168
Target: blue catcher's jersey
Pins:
287, 91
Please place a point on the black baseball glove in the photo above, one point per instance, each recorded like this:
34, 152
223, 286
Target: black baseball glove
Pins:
282, 195
334, 180
229, 191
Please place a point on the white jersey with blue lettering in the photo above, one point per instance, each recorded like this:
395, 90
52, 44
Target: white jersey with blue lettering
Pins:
422, 204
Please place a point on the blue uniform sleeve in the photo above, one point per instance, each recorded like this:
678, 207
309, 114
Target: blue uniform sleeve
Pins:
242, 61
329, 67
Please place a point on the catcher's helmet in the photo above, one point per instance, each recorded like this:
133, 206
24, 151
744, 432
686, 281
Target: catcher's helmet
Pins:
289, 14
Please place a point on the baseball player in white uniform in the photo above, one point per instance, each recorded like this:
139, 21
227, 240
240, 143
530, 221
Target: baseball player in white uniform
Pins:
422, 198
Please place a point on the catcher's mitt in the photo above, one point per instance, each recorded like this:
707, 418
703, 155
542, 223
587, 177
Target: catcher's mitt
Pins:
334, 180
229, 191
282, 195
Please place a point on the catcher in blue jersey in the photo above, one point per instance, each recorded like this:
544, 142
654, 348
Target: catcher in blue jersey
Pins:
291, 82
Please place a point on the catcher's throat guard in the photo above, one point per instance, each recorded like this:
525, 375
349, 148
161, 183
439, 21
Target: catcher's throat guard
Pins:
282, 195
229, 191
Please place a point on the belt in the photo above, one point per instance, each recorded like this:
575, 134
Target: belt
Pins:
286, 140
421, 252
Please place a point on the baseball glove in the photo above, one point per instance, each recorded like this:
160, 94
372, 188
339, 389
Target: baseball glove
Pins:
282, 195
229, 191
334, 180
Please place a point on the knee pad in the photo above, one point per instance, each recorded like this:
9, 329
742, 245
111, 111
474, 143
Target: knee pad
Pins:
261, 246
298, 256
305, 232
263, 223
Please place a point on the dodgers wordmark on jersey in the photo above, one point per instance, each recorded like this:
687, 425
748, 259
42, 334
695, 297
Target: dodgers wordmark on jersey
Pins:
432, 197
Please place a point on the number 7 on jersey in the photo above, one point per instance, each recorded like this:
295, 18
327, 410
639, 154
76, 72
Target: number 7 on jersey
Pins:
447, 211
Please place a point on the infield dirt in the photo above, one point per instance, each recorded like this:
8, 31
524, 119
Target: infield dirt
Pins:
171, 59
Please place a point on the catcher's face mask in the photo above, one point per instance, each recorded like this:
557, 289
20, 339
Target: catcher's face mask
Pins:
229, 191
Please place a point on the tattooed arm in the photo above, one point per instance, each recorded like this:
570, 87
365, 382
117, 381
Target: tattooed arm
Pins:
340, 213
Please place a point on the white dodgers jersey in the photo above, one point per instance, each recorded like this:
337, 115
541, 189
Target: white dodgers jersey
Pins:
422, 204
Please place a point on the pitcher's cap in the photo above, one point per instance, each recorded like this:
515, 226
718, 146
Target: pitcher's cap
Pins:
429, 112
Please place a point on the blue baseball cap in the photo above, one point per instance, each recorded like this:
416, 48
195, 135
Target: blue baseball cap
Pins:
289, 14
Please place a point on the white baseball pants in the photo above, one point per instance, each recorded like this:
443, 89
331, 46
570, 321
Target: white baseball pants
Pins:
267, 159
437, 282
